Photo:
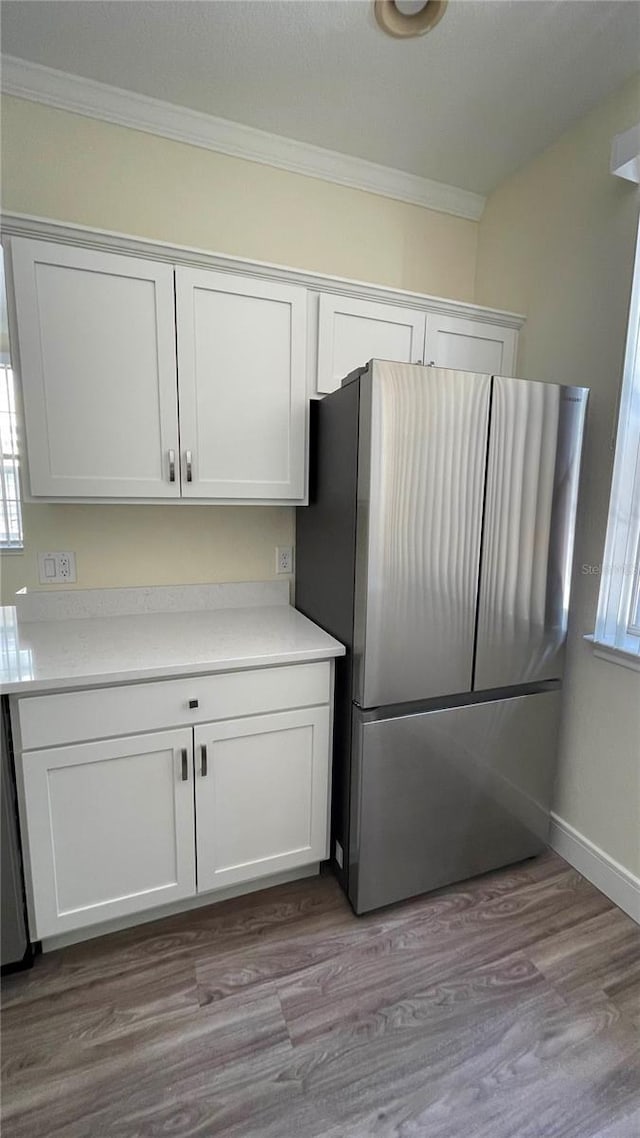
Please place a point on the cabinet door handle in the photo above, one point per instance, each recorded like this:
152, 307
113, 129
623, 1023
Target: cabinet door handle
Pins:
187, 461
203, 760
184, 756
172, 466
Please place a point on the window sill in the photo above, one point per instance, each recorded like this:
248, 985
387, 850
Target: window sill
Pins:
614, 655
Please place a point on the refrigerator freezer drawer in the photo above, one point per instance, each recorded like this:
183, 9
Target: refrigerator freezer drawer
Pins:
440, 796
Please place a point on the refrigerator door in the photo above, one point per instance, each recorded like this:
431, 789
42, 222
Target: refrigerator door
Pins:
443, 795
535, 443
421, 471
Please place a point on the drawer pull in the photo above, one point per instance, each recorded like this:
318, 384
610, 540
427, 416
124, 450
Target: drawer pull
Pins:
203, 760
193, 703
184, 755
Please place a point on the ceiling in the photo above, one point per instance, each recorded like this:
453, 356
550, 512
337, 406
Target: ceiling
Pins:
492, 85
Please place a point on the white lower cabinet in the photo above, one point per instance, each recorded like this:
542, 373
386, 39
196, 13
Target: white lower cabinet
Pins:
261, 795
115, 826
109, 828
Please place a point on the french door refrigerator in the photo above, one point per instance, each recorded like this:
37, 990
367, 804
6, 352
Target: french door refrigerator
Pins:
437, 546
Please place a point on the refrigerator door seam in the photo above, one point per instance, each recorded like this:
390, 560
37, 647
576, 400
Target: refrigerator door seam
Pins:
483, 522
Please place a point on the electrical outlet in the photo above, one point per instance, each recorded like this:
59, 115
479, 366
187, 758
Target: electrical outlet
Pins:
57, 568
284, 559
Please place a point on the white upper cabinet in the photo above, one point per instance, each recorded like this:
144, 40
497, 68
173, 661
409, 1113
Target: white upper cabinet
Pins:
469, 345
97, 363
351, 332
143, 379
242, 382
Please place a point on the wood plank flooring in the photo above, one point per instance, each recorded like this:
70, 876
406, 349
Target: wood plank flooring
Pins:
505, 1007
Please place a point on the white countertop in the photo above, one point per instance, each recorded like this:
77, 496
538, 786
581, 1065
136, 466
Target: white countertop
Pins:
82, 650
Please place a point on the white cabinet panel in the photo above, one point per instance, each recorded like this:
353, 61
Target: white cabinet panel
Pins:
351, 332
261, 795
70, 717
102, 389
97, 365
109, 828
241, 371
469, 345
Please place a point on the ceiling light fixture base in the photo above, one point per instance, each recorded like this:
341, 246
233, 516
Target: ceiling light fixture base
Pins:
402, 25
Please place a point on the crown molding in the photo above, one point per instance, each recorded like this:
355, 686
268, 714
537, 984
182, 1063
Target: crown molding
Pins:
95, 100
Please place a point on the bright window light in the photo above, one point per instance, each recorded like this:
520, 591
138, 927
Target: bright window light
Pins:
618, 620
10, 512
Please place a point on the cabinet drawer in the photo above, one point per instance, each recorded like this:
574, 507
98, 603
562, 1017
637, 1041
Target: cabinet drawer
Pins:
50, 720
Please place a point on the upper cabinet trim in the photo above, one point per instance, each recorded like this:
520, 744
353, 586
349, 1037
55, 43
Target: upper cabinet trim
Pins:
106, 240
95, 100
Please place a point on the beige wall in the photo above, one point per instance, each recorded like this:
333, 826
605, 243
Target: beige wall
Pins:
152, 545
556, 242
80, 170
75, 169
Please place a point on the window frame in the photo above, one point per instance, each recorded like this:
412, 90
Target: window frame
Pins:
10, 504
618, 616
10, 446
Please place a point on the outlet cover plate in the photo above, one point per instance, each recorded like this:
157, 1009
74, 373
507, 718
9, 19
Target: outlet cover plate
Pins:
284, 559
57, 568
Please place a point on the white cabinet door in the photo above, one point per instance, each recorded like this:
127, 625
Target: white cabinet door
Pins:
351, 332
262, 792
469, 345
109, 828
241, 374
96, 348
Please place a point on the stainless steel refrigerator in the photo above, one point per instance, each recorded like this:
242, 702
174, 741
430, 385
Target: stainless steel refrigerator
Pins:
437, 546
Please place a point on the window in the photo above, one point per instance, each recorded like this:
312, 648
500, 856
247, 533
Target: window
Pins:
10, 512
10, 515
618, 621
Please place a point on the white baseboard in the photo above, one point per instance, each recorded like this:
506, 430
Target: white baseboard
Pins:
611, 878
62, 940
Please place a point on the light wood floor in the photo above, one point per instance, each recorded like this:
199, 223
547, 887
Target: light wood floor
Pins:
507, 1006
